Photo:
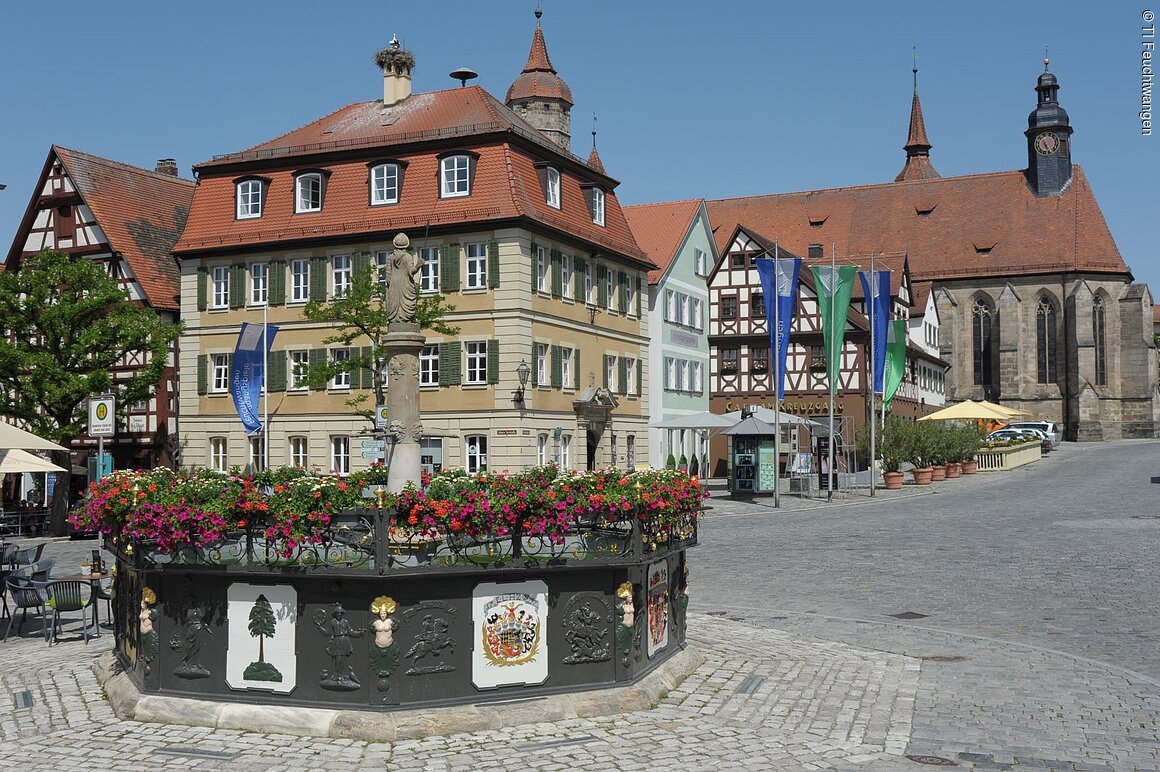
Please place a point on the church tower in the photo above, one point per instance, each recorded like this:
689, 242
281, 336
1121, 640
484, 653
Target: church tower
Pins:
917, 147
540, 96
1048, 140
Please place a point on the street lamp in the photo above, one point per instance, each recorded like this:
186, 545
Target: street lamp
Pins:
523, 371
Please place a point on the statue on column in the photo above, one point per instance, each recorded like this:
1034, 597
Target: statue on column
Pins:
402, 275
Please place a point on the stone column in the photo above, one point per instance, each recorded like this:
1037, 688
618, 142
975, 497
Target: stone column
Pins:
403, 344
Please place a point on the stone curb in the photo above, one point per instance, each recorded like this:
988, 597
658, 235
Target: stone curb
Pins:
129, 704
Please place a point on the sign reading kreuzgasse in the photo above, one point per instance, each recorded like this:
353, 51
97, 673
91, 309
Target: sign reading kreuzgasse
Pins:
101, 412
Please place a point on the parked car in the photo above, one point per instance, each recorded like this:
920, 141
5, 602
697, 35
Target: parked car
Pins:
1050, 429
1007, 433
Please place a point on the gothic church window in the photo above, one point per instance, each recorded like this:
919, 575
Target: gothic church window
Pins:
1045, 340
982, 344
1100, 340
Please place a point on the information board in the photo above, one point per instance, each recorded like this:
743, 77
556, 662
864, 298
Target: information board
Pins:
766, 466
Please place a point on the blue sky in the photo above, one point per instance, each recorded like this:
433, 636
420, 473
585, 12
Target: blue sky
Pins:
694, 99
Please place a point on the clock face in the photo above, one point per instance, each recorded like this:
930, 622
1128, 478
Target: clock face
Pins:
1046, 143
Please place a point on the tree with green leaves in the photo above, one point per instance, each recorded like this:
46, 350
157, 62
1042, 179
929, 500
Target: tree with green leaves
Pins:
68, 324
261, 627
360, 317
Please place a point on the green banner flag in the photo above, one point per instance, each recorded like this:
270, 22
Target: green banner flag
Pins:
834, 285
895, 358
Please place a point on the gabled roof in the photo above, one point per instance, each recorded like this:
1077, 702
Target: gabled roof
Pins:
980, 225
141, 213
660, 229
414, 132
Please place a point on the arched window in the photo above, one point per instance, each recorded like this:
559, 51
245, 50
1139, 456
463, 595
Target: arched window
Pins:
1045, 326
981, 344
1098, 336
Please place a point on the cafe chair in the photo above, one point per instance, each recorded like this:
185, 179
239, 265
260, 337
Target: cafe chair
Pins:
28, 556
68, 595
25, 594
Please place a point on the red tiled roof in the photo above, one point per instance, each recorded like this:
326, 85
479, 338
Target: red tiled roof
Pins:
141, 213
1155, 314
505, 185
594, 161
539, 78
920, 291
660, 229
975, 226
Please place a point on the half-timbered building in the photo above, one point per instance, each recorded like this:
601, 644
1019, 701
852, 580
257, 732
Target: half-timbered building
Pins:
127, 219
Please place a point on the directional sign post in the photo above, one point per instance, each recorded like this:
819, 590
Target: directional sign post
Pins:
102, 424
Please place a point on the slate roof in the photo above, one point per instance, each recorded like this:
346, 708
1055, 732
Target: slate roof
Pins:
660, 229
141, 213
972, 226
415, 132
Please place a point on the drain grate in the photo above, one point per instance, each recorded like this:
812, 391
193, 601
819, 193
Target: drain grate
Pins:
908, 615
943, 658
750, 684
22, 699
934, 761
578, 740
195, 753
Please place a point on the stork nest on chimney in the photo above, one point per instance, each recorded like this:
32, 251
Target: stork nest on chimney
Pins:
396, 59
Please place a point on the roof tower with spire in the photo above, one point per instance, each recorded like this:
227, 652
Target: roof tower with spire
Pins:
917, 147
540, 96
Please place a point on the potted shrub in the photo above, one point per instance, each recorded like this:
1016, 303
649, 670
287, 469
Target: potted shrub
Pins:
971, 444
921, 449
893, 449
940, 450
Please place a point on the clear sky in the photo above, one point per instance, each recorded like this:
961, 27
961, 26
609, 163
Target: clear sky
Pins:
695, 99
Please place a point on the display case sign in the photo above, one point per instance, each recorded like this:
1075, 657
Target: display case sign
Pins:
766, 466
510, 624
262, 619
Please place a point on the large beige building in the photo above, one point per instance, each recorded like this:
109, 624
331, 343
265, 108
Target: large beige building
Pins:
526, 240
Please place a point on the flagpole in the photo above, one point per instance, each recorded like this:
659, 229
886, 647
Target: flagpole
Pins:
837, 366
266, 381
776, 321
872, 301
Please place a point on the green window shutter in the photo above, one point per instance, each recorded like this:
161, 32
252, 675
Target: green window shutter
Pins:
535, 267
601, 287
449, 367
318, 279
367, 374
576, 369
639, 372
622, 374
449, 268
317, 359
557, 284
277, 371
493, 264
557, 368
493, 361
622, 282
639, 292
605, 369
202, 289
237, 285
361, 261
578, 279
202, 373
277, 282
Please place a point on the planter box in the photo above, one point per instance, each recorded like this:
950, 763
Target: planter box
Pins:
1003, 459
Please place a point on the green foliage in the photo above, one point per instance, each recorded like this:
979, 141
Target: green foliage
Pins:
671, 461
262, 618
360, 319
895, 443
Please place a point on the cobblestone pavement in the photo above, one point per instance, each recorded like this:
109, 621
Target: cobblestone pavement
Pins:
1036, 651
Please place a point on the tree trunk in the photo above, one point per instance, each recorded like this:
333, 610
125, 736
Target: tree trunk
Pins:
261, 648
59, 515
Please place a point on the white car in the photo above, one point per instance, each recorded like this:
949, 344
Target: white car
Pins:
1050, 430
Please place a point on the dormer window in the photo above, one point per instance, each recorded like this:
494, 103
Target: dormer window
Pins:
455, 176
308, 192
552, 187
249, 198
386, 182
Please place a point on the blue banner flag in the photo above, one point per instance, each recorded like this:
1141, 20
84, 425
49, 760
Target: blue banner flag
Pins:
876, 291
779, 279
248, 372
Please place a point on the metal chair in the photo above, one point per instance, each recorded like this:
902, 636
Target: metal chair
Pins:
25, 594
28, 556
69, 595
100, 593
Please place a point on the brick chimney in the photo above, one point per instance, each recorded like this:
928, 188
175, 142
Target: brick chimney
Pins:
166, 166
397, 64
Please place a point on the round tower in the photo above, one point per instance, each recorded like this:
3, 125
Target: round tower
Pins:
540, 96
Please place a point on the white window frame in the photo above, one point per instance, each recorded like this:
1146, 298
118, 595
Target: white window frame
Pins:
543, 377
698, 315
249, 195
610, 371
670, 305
541, 448
221, 374
631, 297
477, 461
308, 193
589, 284
566, 355
257, 451
566, 452
454, 176
670, 373
340, 380
299, 451
542, 270
340, 454
219, 454
684, 304
552, 194
429, 365
700, 262
429, 269
259, 284
598, 206
384, 184
630, 376
341, 275
476, 361
299, 364
566, 283
477, 265
683, 374
610, 287
300, 280
221, 286
697, 381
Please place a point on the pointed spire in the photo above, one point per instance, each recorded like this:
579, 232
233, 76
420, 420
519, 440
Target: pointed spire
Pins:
539, 95
917, 147
594, 161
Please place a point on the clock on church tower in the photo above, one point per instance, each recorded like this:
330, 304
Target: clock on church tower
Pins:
1048, 140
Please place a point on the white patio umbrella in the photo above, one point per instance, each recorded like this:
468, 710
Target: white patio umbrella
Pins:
17, 460
11, 437
771, 417
703, 420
